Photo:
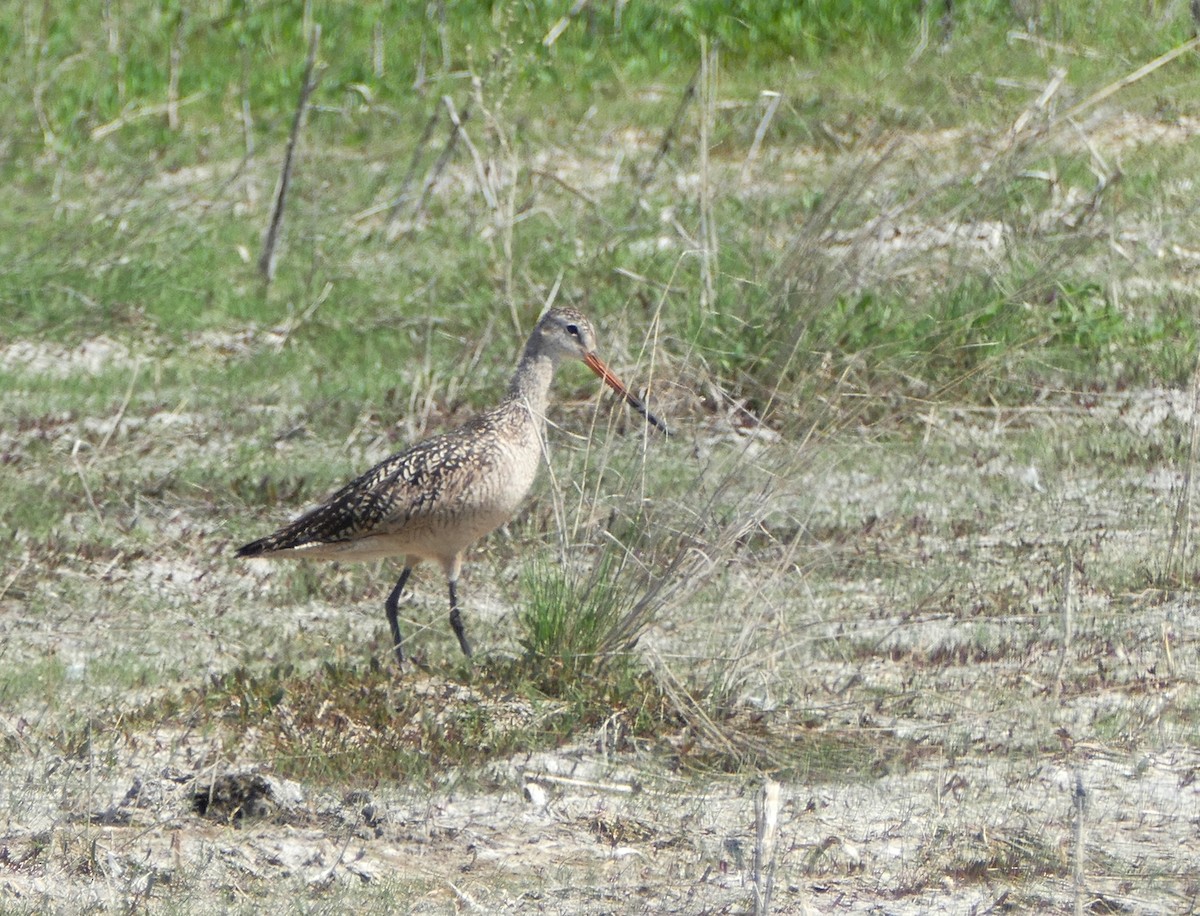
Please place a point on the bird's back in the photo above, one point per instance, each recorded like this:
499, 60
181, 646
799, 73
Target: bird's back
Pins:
431, 500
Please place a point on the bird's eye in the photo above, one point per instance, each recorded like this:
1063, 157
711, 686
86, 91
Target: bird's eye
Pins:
573, 330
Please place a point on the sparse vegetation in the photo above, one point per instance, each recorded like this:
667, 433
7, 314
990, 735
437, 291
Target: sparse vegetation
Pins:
917, 298
577, 623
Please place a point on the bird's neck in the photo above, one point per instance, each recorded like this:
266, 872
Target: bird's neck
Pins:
530, 383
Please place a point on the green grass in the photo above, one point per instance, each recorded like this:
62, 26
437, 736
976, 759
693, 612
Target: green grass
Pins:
578, 623
347, 719
43, 678
102, 65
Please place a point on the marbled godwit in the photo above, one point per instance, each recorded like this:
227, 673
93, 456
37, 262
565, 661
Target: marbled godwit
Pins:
437, 497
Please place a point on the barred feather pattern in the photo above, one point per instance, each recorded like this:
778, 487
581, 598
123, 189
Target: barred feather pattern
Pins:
437, 497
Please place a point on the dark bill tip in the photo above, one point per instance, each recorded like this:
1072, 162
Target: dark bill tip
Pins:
594, 363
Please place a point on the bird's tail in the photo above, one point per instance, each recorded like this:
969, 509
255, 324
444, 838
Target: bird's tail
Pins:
258, 548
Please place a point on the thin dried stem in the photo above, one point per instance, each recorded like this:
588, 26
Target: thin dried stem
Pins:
140, 114
708, 223
561, 26
1066, 611
689, 93
413, 162
266, 263
440, 166
766, 819
174, 66
1079, 802
485, 186
1128, 80
773, 99
1179, 545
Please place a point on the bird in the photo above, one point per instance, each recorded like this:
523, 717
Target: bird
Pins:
439, 496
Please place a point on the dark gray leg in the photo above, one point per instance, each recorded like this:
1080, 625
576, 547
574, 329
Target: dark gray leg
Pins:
392, 603
456, 622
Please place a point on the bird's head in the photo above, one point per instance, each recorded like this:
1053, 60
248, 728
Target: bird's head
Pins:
565, 333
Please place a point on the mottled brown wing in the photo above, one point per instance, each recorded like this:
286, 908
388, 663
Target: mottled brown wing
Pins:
400, 490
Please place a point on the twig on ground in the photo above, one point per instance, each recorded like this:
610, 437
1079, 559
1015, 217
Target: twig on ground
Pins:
773, 99
689, 93
247, 128
137, 368
946, 21
570, 188
173, 66
325, 878
266, 263
708, 223
1048, 92
377, 46
621, 788
464, 896
440, 166
1079, 801
561, 26
247, 121
87, 490
1166, 639
413, 162
296, 320
15, 576
139, 114
648, 281
505, 156
691, 711
1066, 608
552, 296
1128, 80
766, 818
1179, 545
1047, 45
485, 186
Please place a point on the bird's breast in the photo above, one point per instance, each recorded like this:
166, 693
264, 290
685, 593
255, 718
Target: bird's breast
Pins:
507, 478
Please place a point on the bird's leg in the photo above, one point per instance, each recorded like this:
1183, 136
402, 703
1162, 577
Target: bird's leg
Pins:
456, 621
391, 606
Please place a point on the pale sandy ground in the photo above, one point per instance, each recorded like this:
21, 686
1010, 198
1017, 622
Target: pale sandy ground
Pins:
901, 637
